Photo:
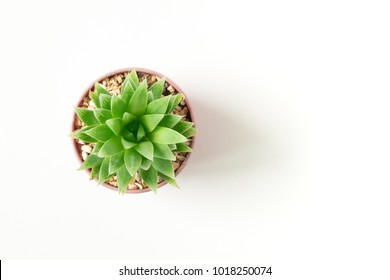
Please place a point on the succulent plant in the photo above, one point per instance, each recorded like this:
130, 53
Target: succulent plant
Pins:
134, 132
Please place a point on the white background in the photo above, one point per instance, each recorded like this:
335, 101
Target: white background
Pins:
291, 166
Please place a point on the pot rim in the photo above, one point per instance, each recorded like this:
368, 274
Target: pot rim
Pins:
142, 70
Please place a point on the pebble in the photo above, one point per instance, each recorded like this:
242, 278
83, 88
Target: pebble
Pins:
175, 165
84, 155
184, 111
171, 89
86, 148
181, 158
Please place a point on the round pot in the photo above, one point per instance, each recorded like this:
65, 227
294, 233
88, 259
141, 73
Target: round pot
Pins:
77, 148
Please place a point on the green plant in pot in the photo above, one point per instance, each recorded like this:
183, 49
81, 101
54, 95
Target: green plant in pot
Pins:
134, 133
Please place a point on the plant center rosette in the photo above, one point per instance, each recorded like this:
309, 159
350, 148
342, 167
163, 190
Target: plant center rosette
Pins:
133, 131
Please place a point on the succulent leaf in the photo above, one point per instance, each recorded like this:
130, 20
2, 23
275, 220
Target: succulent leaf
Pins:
170, 120
95, 98
158, 106
164, 166
145, 149
115, 125
104, 172
132, 161
163, 151
118, 107
102, 114
100, 132
97, 148
100, 89
190, 132
157, 88
81, 135
86, 116
105, 101
139, 100
128, 118
151, 121
127, 144
95, 172
150, 177
111, 147
141, 132
175, 100
170, 180
182, 126
91, 161
134, 81
116, 162
127, 90
124, 178
145, 164
164, 135
181, 147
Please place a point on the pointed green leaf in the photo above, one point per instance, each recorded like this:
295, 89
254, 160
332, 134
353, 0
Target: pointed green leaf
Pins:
127, 144
124, 178
145, 164
151, 121
158, 106
100, 132
91, 161
150, 97
172, 146
111, 147
163, 151
118, 107
182, 126
146, 149
127, 90
181, 147
139, 100
157, 88
141, 132
170, 120
169, 180
134, 81
104, 172
150, 178
97, 148
115, 125
116, 161
132, 161
190, 132
128, 136
95, 98
175, 100
164, 166
95, 172
164, 135
128, 118
102, 114
81, 134
105, 101
99, 88
86, 116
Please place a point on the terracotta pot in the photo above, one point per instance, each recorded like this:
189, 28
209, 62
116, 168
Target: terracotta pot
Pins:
139, 70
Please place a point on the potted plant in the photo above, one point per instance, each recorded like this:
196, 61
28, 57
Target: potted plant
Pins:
133, 130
